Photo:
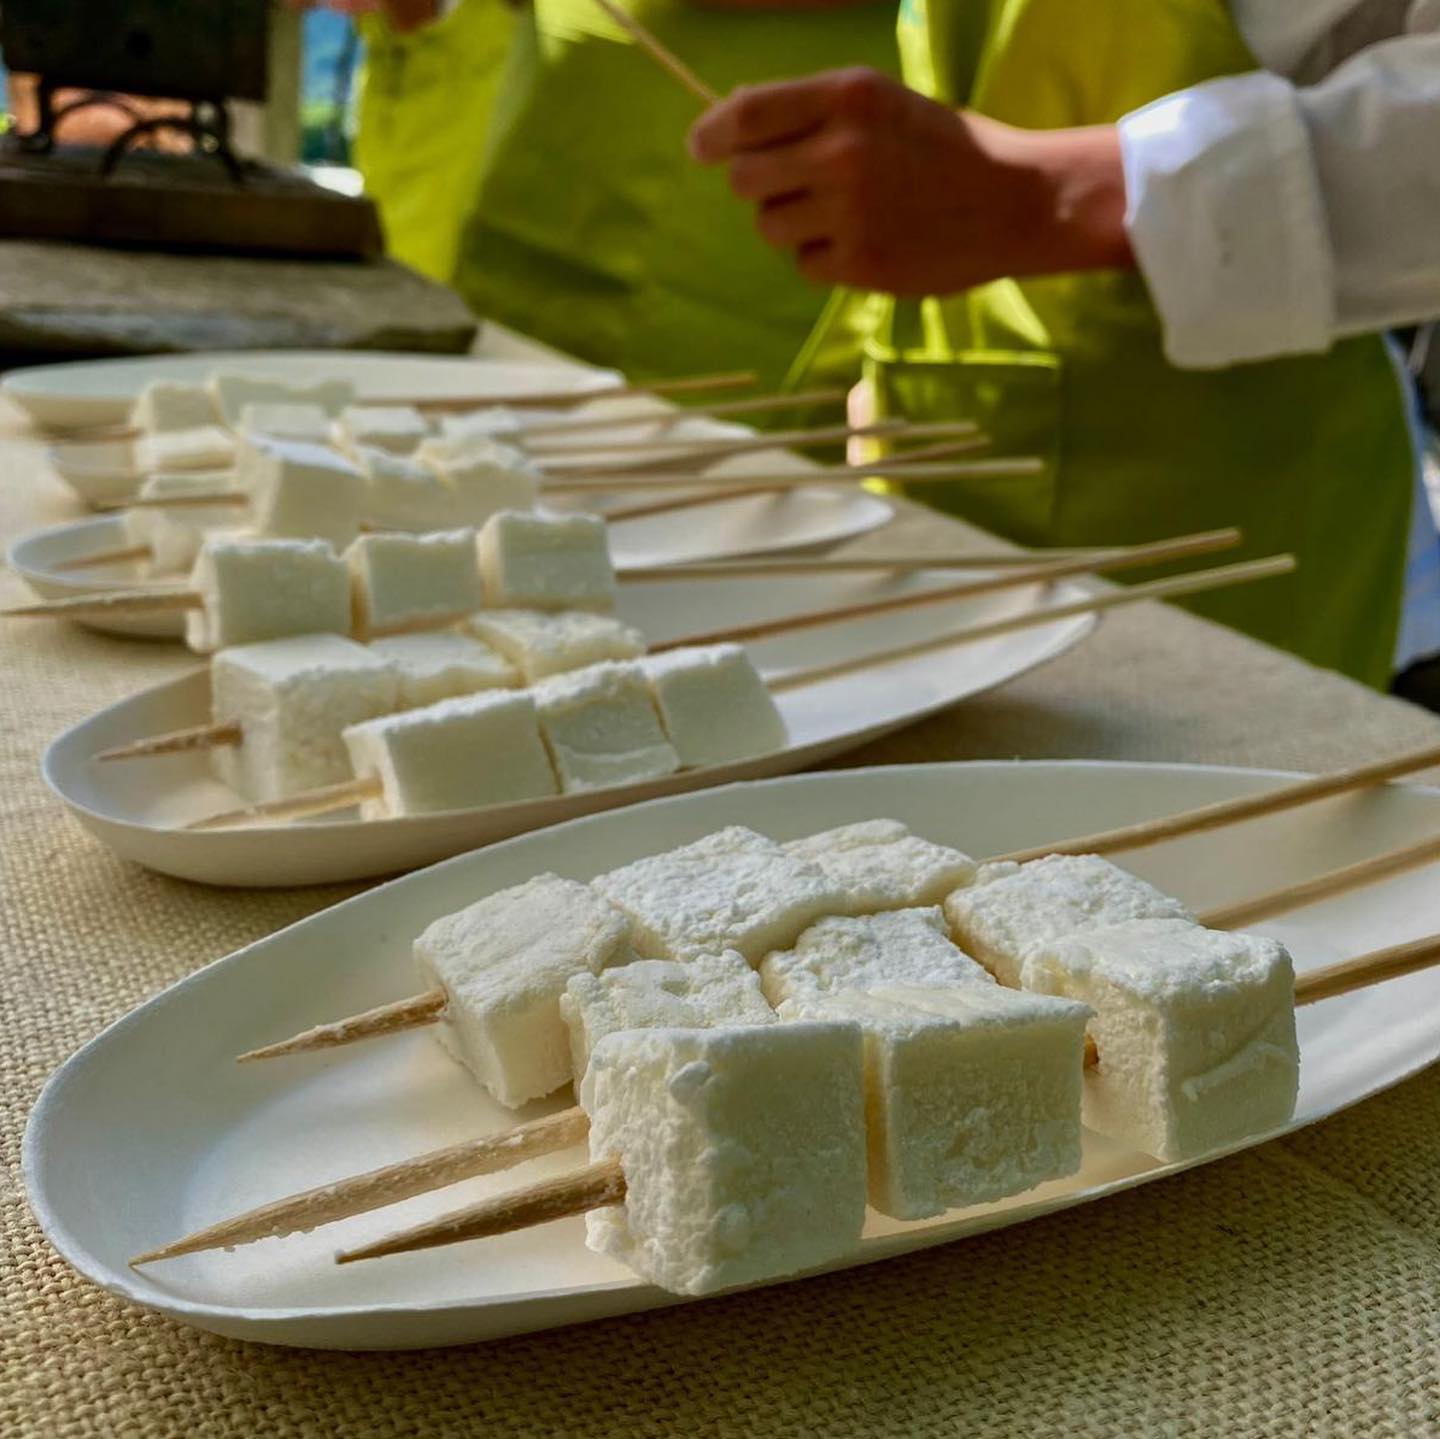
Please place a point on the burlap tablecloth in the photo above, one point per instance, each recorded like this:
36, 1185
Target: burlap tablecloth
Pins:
1288, 1291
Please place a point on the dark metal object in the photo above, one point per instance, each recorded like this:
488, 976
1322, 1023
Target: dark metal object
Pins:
177, 49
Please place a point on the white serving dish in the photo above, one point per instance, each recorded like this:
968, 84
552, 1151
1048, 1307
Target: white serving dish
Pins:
101, 392
149, 1131
135, 806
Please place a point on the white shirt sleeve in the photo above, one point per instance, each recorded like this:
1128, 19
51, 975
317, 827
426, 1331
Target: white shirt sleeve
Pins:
1269, 219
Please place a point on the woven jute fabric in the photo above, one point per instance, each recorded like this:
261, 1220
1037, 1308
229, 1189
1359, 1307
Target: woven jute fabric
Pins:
1292, 1290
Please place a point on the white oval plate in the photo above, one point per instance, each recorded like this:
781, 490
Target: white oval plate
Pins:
101, 392
806, 519
149, 1131
135, 806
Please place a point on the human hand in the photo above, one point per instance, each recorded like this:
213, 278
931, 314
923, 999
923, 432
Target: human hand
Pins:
875, 186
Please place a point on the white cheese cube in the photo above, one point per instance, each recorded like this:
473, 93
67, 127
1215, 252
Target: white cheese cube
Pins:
743, 1150
165, 405
302, 492
403, 495
204, 448
1011, 907
504, 963
708, 991
971, 1093
539, 644
479, 749
881, 865
601, 728
485, 479
714, 705
252, 589
441, 665
1195, 1031
842, 952
175, 533
397, 428
232, 392
494, 422
546, 562
733, 889
309, 424
401, 580
291, 699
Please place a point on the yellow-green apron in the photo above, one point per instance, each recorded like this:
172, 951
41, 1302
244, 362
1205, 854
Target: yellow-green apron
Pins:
1310, 455
424, 108
596, 232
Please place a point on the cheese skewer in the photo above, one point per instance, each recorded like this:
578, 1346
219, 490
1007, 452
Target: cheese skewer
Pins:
1187, 545
603, 1183
439, 1168
347, 793
857, 564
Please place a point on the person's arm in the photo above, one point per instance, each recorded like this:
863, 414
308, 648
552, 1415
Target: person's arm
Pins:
873, 185
1271, 219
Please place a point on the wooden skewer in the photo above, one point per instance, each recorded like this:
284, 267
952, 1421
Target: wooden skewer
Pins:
105, 557
1131, 557
1188, 584
564, 399
850, 564
738, 484
603, 1183
203, 736
1231, 811
411, 1013
327, 1203
663, 56
118, 602
575, 463
758, 405
323, 800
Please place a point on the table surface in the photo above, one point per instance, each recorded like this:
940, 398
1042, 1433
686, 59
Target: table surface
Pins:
1291, 1290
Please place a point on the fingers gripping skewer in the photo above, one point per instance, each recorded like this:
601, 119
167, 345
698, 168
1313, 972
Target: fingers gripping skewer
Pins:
603, 1183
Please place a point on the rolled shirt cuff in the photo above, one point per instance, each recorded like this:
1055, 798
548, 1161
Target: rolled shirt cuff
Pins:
1227, 222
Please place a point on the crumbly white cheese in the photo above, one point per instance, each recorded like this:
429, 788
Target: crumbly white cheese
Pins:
714, 705
441, 664
504, 963
403, 495
1195, 1031
733, 889
479, 749
254, 589
399, 580
539, 644
232, 392
292, 698
707, 991
165, 405
398, 428
546, 562
483, 476
972, 1092
743, 1150
882, 865
206, 447
900, 946
309, 424
1011, 907
175, 533
300, 491
601, 728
